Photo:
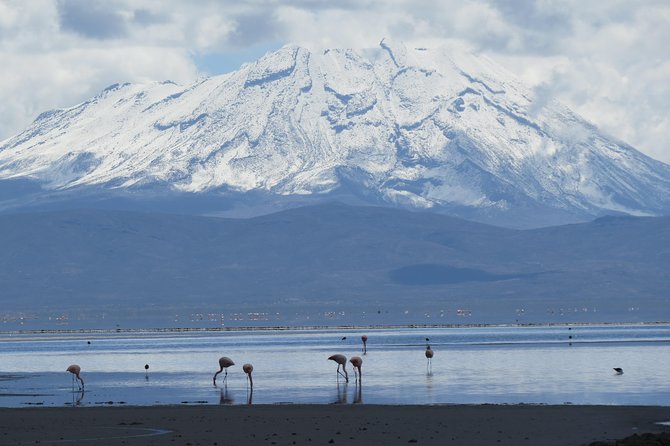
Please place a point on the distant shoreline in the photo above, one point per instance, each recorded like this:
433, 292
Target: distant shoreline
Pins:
316, 327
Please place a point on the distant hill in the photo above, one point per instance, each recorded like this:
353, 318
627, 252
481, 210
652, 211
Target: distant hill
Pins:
312, 263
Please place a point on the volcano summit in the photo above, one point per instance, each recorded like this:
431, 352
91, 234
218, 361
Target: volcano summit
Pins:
416, 128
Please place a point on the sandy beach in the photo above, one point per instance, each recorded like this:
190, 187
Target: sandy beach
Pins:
469, 425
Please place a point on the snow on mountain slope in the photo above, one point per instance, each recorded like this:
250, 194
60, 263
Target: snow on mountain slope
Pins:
411, 127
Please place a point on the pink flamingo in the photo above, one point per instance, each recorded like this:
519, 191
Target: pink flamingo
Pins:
75, 370
341, 360
364, 338
248, 368
224, 363
357, 362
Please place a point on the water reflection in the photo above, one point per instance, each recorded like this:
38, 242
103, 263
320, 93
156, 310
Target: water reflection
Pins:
341, 393
358, 393
225, 398
77, 397
429, 386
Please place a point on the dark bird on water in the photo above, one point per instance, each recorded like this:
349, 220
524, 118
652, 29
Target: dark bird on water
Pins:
618, 370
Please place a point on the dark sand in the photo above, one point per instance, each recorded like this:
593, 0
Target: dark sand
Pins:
323, 425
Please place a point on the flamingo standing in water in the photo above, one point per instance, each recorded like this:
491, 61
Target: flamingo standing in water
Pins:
364, 338
357, 362
75, 370
248, 368
429, 357
224, 363
341, 360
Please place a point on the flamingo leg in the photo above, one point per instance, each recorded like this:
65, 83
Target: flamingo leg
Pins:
344, 375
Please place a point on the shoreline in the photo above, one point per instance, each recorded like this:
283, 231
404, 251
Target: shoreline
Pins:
307, 424
320, 327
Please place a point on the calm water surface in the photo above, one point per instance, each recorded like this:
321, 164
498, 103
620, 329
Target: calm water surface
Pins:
553, 365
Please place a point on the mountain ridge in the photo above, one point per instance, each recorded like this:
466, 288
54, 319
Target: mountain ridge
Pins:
333, 258
435, 129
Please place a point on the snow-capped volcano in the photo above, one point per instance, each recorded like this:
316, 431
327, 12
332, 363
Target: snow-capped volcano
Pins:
412, 127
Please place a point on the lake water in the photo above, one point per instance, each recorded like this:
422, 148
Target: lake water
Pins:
472, 365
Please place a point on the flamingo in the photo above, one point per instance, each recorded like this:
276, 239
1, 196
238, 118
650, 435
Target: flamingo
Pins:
75, 370
224, 363
341, 360
248, 368
364, 338
357, 362
429, 356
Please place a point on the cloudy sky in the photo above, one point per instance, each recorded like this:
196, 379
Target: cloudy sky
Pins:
607, 59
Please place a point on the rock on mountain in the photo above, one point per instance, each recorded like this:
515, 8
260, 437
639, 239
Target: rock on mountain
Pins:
417, 128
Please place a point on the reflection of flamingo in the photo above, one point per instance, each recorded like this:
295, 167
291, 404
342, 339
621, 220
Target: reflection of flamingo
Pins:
357, 362
75, 370
429, 357
358, 396
248, 368
364, 338
77, 401
341, 393
224, 363
224, 398
341, 360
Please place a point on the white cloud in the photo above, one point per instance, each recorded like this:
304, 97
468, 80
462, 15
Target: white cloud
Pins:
606, 59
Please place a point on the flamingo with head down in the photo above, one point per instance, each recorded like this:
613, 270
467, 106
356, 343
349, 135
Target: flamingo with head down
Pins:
248, 368
75, 370
224, 363
357, 362
341, 361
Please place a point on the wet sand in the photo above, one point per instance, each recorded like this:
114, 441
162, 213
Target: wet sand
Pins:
470, 425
